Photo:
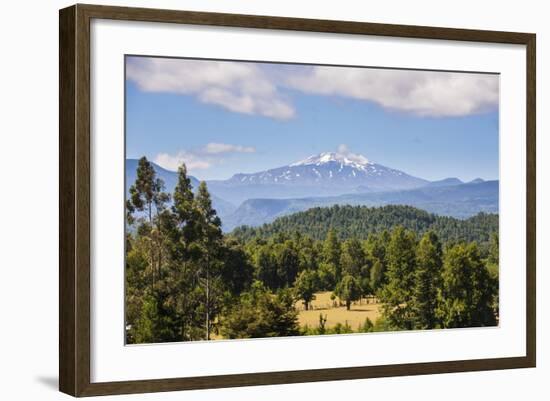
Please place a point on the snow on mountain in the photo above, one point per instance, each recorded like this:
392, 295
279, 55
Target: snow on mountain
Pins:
325, 174
356, 161
333, 169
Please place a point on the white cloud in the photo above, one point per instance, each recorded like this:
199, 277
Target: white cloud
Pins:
172, 162
344, 150
200, 159
424, 93
238, 87
257, 89
215, 148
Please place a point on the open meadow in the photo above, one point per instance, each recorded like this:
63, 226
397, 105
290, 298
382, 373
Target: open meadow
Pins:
334, 313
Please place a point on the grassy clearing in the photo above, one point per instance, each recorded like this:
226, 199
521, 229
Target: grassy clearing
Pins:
355, 317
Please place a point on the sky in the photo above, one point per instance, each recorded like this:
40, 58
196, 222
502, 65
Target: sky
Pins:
228, 117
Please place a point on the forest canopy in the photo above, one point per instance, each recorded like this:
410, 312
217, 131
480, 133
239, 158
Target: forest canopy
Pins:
360, 221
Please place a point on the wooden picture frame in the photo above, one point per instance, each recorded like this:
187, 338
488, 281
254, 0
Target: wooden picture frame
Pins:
75, 207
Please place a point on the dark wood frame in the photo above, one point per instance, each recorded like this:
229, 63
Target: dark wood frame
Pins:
74, 199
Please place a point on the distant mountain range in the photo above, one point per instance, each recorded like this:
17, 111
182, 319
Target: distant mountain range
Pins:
460, 201
328, 179
453, 181
326, 174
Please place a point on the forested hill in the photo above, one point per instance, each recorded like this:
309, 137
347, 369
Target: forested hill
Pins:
359, 221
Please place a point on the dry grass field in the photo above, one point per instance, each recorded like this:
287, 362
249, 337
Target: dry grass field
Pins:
355, 317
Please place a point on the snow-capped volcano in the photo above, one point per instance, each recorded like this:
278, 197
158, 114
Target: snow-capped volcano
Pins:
356, 161
328, 173
334, 169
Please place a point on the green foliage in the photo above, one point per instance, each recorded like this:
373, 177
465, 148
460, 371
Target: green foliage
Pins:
237, 271
340, 328
321, 329
427, 281
307, 283
353, 258
186, 281
397, 294
367, 327
260, 313
143, 329
377, 275
327, 276
322, 324
493, 256
331, 253
468, 289
360, 221
180, 273
492, 263
349, 290
209, 251
146, 192
382, 325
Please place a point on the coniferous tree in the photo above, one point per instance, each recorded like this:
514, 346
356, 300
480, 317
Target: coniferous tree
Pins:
208, 245
353, 258
397, 293
146, 195
493, 268
493, 255
183, 206
468, 291
137, 286
485, 290
349, 290
147, 191
145, 205
427, 281
237, 272
331, 254
305, 286
287, 261
376, 276
326, 273
266, 269
361, 221
259, 313
145, 328
180, 286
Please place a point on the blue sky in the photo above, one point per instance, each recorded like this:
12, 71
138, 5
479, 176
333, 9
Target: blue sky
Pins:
223, 118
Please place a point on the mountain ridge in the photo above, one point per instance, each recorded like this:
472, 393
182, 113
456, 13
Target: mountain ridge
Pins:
332, 178
459, 201
360, 221
328, 174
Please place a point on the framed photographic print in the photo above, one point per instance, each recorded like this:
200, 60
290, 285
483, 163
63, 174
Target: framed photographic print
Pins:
250, 200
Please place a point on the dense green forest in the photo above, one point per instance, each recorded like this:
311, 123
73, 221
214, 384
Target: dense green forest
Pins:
188, 281
360, 221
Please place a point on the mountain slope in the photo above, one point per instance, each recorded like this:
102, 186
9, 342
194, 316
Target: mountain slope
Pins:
445, 182
460, 201
326, 174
